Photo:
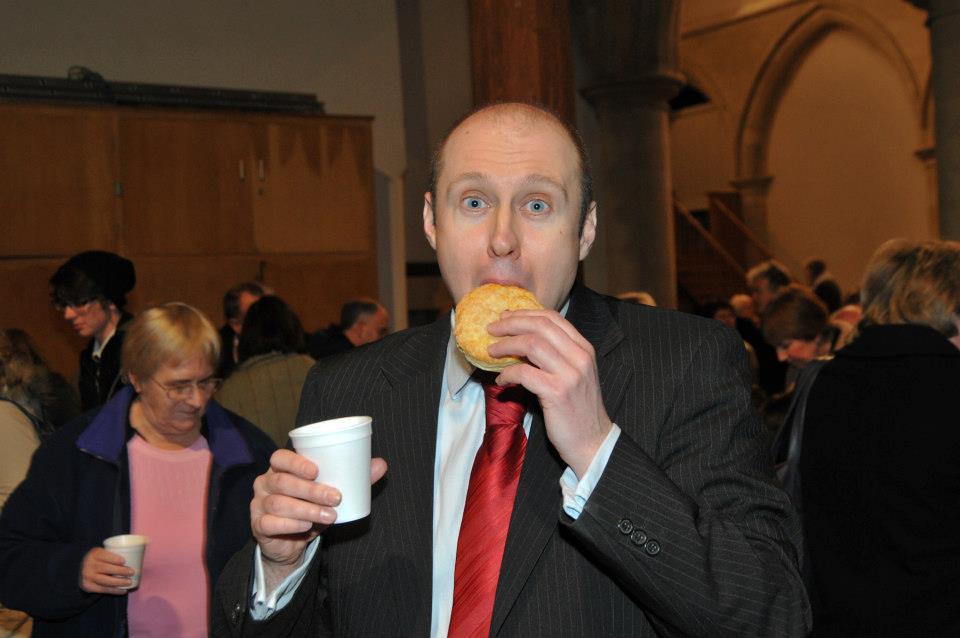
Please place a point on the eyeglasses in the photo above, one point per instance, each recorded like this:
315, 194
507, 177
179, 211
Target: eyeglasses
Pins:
78, 307
183, 390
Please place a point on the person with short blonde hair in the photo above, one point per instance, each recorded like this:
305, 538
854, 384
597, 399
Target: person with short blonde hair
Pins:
160, 459
911, 283
171, 332
880, 468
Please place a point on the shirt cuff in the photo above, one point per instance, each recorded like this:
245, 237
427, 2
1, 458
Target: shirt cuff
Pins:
264, 606
576, 493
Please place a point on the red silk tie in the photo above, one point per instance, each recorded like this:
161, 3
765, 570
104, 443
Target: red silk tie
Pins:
486, 513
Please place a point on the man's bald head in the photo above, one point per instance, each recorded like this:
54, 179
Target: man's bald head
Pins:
521, 115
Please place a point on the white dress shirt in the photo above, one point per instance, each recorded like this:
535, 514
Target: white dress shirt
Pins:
460, 427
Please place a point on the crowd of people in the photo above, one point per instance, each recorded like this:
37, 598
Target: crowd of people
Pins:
784, 465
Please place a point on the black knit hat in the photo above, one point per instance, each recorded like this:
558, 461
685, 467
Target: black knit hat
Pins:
91, 275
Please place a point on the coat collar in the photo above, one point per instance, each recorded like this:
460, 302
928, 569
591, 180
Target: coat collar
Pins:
106, 436
898, 340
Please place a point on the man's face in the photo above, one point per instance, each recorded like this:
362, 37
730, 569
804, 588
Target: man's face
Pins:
88, 319
373, 326
508, 208
245, 300
763, 293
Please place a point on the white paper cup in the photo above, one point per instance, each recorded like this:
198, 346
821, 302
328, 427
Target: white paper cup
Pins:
131, 547
341, 450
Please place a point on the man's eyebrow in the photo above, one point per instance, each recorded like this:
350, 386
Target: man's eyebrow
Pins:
535, 179
532, 179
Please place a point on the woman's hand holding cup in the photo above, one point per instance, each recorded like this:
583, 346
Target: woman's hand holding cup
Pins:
103, 572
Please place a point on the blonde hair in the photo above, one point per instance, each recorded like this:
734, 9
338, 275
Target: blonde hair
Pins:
22, 380
169, 333
639, 297
913, 282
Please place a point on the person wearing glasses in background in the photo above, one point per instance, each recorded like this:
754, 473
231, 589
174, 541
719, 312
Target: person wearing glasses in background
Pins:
90, 289
159, 459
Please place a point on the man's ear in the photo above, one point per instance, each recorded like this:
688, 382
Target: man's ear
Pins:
429, 221
589, 232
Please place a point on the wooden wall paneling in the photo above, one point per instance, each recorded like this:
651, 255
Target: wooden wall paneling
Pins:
316, 286
56, 180
26, 305
199, 280
317, 190
187, 182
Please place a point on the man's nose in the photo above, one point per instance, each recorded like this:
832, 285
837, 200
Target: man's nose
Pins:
503, 238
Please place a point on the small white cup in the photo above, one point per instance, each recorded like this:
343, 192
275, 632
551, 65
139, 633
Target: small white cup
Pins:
131, 547
341, 450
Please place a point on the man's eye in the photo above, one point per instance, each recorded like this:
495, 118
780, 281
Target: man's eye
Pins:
537, 206
473, 203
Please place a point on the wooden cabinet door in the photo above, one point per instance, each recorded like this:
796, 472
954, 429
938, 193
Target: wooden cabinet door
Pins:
315, 189
57, 192
187, 184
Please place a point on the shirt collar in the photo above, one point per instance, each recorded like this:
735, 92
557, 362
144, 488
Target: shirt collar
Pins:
98, 347
458, 369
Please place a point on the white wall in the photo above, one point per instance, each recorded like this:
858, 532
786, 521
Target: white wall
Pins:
702, 155
841, 153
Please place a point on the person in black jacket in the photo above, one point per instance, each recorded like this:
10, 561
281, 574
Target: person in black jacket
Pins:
880, 469
90, 289
160, 459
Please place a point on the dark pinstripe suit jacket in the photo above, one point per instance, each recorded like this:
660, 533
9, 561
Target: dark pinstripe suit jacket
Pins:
683, 535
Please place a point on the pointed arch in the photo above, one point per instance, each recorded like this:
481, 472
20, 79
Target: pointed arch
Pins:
780, 67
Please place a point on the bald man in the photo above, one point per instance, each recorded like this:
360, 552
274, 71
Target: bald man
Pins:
644, 505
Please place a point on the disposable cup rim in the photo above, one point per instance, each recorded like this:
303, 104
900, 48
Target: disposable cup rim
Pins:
144, 540
334, 426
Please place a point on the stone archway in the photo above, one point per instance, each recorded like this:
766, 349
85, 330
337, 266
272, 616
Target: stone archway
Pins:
776, 75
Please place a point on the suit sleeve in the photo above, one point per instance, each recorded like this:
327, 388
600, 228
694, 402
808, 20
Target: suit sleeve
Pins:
305, 613
699, 535
230, 617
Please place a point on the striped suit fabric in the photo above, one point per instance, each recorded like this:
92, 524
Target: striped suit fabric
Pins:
684, 535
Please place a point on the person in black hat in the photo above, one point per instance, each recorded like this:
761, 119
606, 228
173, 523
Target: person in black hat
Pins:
90, 289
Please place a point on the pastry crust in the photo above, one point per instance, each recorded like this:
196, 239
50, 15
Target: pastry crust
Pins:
478, 309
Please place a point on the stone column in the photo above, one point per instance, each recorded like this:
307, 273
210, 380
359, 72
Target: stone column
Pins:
629, 51
944, 25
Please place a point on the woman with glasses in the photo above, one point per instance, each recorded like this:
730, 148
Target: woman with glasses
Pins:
90, 289
159, 459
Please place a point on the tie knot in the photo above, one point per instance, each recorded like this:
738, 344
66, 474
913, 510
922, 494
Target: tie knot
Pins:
506, 404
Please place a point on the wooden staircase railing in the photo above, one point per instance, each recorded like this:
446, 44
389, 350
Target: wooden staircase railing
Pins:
713, 257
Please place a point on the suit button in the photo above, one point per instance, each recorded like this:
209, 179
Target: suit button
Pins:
625, 526
652, 547
235, 613
639, 537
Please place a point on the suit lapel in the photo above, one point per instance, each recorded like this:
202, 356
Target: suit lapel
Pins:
538, 503
414, 375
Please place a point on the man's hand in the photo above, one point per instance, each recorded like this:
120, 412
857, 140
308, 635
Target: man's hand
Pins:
562, 373
103, 572
289, 510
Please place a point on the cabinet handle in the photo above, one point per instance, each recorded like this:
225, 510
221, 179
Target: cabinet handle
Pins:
243, 175
260, 169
